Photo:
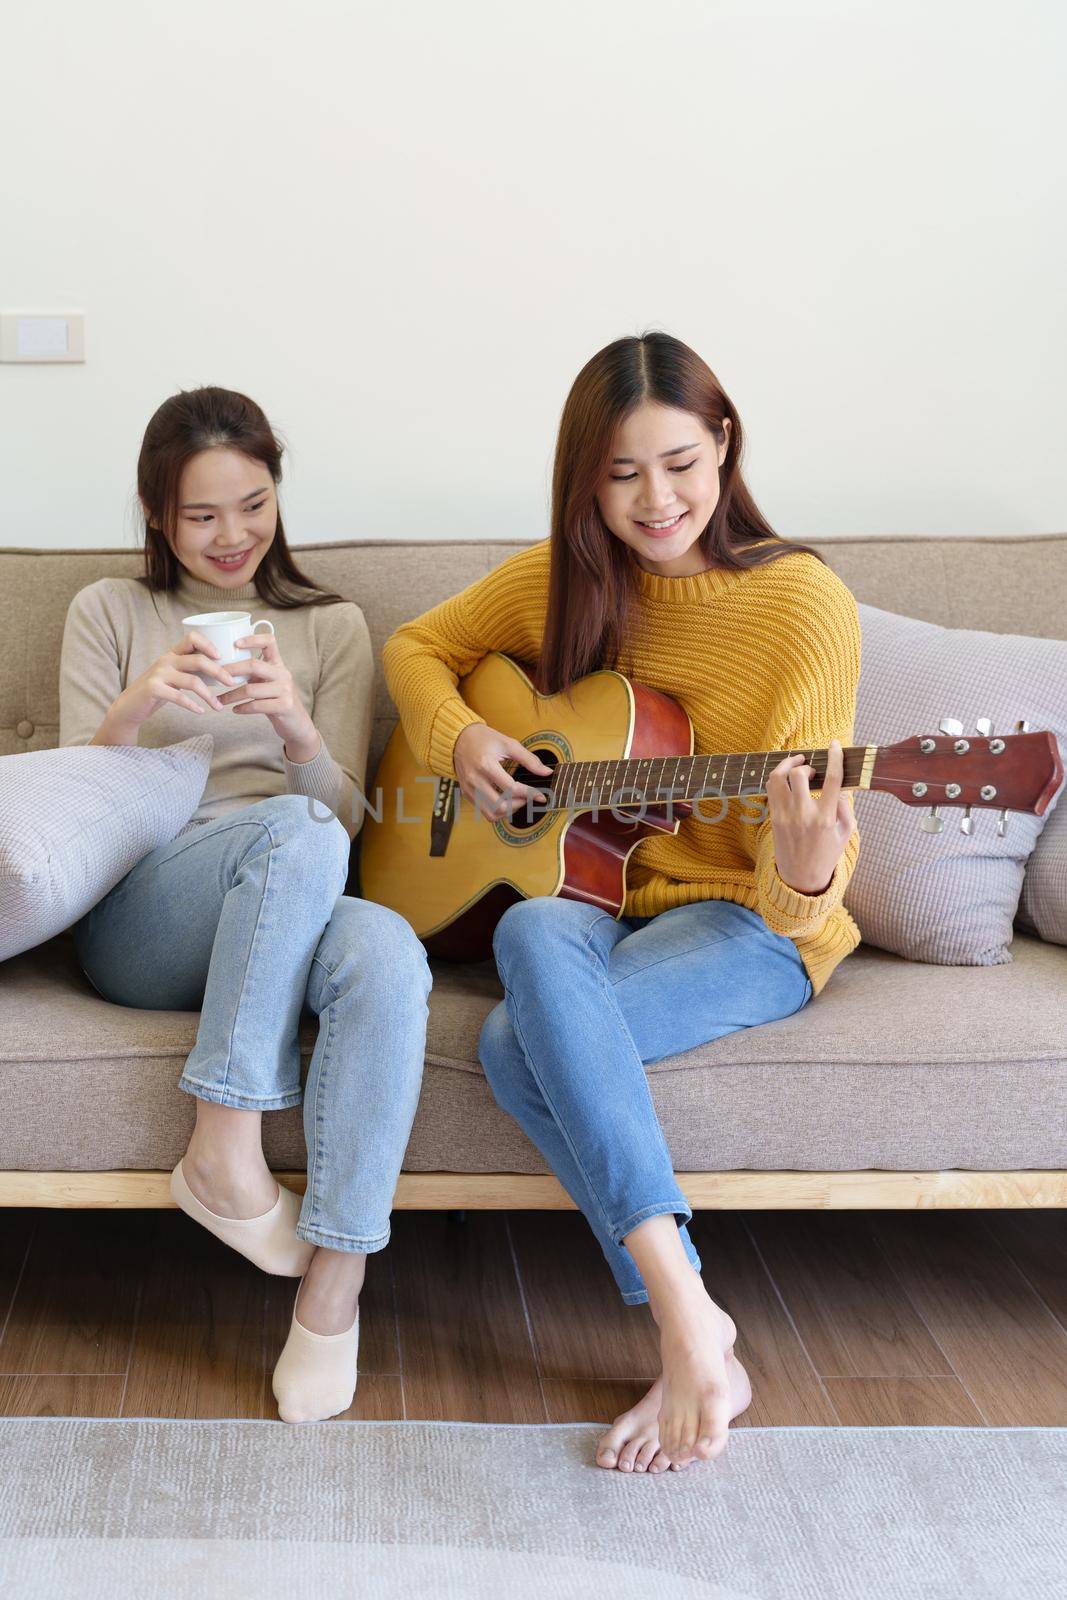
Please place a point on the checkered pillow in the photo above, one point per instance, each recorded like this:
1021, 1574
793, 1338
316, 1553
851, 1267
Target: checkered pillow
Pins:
945, 897
73, 821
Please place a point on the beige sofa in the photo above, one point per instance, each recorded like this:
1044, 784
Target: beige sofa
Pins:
901, 1085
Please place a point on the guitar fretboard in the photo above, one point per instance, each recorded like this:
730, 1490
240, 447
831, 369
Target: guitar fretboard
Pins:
659, 779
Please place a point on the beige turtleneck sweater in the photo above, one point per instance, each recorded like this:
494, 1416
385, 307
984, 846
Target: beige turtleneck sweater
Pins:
116, 628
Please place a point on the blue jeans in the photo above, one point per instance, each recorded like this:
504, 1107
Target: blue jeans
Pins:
589, 1000
245, 919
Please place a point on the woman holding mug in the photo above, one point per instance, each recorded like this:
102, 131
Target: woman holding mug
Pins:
243, 915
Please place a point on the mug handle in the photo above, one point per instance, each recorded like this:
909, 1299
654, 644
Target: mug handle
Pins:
262, 623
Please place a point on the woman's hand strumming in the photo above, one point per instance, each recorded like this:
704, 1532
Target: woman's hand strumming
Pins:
478, 754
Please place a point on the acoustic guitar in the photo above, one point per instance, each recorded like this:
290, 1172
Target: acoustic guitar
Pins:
623, 768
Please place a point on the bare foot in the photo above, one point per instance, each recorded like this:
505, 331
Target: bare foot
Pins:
632, 1443
239, 1194
328, 1297
695, 1335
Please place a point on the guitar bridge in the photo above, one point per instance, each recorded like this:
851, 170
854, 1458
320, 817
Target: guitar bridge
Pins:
444, 816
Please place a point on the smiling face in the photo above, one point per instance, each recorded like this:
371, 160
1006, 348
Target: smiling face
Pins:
227, 506
662, 487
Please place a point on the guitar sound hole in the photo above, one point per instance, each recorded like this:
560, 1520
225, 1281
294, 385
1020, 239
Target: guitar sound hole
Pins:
531, 814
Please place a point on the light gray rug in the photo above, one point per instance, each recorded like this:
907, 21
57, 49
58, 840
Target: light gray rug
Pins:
191, 1510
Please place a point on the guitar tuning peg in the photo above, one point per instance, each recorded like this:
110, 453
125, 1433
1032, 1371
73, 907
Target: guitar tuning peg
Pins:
984, 726
951, 726
966, 822
1002, 816
932, 823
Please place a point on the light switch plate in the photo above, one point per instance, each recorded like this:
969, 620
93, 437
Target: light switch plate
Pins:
42, 336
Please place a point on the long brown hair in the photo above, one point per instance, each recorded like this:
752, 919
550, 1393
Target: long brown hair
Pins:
594, 580
204, 419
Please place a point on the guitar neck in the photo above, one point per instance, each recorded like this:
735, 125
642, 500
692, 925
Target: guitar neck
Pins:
658, 779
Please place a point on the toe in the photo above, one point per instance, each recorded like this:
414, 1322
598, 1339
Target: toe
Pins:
645, 1455
619, 1446
707, 1437
660, 1462
669, 1427
611, 1443
686, 1437
714, 1425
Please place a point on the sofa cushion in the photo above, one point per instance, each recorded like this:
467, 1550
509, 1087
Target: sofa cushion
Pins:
74, 821
896, 1065
946, 897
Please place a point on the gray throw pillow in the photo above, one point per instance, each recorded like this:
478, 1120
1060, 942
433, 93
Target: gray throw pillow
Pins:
1043, 907
945, 897
73, 821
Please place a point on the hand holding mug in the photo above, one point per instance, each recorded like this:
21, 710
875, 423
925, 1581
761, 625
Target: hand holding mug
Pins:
224, 630
268, 690
172, 679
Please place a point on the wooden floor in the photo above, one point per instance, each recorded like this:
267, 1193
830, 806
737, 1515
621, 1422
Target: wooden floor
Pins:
844, 1318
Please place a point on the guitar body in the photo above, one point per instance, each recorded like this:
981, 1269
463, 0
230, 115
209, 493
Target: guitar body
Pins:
453, 899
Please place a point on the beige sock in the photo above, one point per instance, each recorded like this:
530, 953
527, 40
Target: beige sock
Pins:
315, 1377
270, 1240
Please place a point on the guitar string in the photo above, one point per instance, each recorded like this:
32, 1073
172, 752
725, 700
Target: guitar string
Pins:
577, 784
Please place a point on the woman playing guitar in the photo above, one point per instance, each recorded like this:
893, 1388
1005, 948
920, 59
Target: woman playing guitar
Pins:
659, 565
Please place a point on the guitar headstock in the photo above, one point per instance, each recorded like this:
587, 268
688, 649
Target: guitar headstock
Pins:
1019, 771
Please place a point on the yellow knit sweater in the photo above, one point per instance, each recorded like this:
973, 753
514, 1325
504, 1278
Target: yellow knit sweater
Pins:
765, 659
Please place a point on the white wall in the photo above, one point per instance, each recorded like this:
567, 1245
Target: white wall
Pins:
404, 227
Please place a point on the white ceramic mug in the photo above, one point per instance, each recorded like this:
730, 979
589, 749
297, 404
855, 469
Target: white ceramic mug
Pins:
222, 628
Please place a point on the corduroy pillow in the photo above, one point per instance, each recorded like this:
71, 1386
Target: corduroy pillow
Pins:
945, 897
73, 821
